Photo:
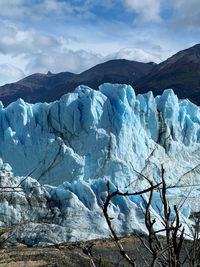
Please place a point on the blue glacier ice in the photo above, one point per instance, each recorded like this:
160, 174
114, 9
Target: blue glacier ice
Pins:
70, 148
99, 134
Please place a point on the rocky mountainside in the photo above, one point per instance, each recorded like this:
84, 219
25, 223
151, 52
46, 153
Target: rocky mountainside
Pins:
180, 72
38, 88
49, 87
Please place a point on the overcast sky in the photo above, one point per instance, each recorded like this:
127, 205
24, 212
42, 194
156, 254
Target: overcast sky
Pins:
73, 35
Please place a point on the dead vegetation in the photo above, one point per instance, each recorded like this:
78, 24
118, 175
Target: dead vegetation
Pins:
167, 246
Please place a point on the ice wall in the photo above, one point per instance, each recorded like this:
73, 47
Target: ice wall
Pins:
78, 143
92, 134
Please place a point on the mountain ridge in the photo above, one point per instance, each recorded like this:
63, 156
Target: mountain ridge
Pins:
49, 87
181, 72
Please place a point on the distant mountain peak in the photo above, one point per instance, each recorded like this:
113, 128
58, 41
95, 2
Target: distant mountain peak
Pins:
49, 73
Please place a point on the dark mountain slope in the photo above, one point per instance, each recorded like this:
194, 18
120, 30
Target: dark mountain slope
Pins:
35, 88
180, 72
115, 71
49, 87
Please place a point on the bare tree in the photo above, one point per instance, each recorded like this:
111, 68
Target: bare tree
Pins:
164, 252
193, 252
166, 244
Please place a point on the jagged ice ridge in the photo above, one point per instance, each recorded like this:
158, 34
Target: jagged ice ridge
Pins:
71, 147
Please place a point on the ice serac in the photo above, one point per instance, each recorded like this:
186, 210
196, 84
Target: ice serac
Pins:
44, 215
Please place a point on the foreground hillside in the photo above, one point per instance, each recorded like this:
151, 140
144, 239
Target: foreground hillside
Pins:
72, 255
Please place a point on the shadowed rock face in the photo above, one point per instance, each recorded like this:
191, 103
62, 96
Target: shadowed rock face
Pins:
180, 72
37, 88
49, 87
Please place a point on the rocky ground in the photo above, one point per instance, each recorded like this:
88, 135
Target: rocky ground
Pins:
72, 254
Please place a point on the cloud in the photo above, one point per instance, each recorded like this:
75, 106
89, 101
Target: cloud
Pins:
14, 41
55, 8
13, 8
68, 60
74, 35
20, 9
42, 52
186, 14
147, 10
136, 54
10, 73
48, 9
39, 52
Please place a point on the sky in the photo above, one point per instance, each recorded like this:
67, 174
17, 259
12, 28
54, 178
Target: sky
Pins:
74, 35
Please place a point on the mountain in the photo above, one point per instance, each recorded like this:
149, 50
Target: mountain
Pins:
180, 72
73, 146
37, 88
115, 71
49, 87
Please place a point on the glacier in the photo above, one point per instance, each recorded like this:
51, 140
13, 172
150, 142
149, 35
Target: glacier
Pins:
60, 155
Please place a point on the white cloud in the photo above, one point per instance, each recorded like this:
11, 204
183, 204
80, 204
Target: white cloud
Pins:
33, 51
68, 60
147, 10
18, 9
186, 14
13, 8
14, 41
48, 9
136, 54
53, 8
9, 73
77, 44
40, 52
